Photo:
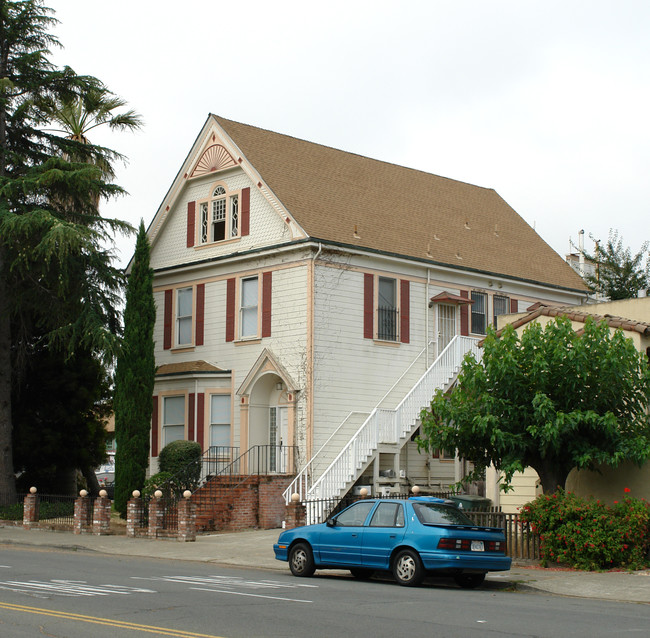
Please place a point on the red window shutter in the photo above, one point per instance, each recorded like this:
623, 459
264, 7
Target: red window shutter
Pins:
514, 305
167, 320
154, 427
266, 304
190, 418
230, 310
191, 223
245, 211
200, 311
200, 418
368, 303
405, 312
464, 314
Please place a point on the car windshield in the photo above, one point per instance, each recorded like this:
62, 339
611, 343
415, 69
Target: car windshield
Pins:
438, 514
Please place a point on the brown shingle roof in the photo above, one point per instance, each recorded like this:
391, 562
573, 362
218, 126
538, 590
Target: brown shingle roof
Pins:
187, 367
398, 210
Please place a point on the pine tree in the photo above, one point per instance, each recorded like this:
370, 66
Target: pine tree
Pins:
57, 281
619, 274
134, 378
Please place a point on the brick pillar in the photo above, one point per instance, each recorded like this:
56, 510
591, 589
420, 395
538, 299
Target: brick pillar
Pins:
156, 513
30, 509
134, 512
82, 507
102, 515
186, 519
296, 514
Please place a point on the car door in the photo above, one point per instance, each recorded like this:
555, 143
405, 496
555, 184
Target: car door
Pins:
340, 541
383, 533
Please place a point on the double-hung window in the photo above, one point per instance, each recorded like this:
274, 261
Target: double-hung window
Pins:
173, 421
184, 316
479, 312
500, 306
220, 422
219, 216
387, 326
248, 320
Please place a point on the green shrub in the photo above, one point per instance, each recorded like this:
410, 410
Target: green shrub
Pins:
182, 460
587, 534
176, 455
159, 481
11, 512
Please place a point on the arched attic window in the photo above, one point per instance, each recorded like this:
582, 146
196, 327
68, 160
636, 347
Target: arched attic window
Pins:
219, 215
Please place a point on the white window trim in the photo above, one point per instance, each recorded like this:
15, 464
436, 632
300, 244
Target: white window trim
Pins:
230, 416
241, 308
163, 421
178, 317
485, 313
205, 212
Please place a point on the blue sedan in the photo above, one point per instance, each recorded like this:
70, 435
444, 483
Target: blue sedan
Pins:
410, 538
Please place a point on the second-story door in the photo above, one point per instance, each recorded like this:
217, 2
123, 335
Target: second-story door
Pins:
445, 324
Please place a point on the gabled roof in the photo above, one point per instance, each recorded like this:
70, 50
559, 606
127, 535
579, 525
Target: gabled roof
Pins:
448, 297
353, 200
581, 316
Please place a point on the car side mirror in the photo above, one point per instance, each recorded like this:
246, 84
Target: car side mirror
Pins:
330, 522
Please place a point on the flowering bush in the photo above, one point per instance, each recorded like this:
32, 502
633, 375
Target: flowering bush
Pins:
587, 534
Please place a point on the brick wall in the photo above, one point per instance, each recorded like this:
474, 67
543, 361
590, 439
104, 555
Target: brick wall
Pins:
243, 503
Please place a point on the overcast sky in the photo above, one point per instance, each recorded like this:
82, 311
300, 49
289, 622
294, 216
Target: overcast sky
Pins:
546, 102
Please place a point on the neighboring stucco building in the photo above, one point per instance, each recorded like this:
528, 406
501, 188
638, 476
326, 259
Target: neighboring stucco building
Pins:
299, 287
632, 316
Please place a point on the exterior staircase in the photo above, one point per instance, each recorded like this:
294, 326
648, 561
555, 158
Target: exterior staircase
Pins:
382, 427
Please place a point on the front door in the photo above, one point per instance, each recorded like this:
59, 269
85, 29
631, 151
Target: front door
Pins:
278, 439
446, 324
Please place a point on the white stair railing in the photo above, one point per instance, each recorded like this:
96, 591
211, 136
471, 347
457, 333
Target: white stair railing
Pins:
383, 426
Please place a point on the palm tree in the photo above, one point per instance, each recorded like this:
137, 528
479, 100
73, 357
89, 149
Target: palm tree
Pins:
80, 115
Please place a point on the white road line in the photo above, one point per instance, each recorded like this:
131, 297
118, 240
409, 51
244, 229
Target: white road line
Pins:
226, 581
70, 588
241, 593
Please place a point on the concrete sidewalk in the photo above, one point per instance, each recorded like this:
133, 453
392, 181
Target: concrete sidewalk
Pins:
255, 549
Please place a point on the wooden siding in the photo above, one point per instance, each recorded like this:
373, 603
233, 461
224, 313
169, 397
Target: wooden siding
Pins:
266, 226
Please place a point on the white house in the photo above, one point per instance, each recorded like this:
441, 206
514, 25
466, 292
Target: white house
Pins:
299, 287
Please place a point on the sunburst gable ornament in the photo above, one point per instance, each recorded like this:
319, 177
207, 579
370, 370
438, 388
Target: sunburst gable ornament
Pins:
214, 158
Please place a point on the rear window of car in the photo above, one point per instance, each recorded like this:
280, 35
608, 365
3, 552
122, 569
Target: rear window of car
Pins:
435, 514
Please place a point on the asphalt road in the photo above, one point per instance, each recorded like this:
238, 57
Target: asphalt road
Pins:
74, 595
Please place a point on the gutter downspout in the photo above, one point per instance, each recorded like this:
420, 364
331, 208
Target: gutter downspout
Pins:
426, 320
196, 409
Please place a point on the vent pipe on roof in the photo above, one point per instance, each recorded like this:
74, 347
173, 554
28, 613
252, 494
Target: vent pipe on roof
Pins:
581, 253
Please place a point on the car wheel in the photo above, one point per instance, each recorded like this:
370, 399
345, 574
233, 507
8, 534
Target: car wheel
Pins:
301, 560
469, 581
360, 573
407, 568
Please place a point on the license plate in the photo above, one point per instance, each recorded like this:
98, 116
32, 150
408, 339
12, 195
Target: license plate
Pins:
478, 546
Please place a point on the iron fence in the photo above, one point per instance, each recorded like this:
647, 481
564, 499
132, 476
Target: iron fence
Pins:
521, 541
58, 511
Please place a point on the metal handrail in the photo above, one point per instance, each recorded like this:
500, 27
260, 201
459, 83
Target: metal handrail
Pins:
299, 484
385, 426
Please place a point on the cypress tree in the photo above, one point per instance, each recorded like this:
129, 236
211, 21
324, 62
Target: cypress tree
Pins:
134, 378
57, 281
